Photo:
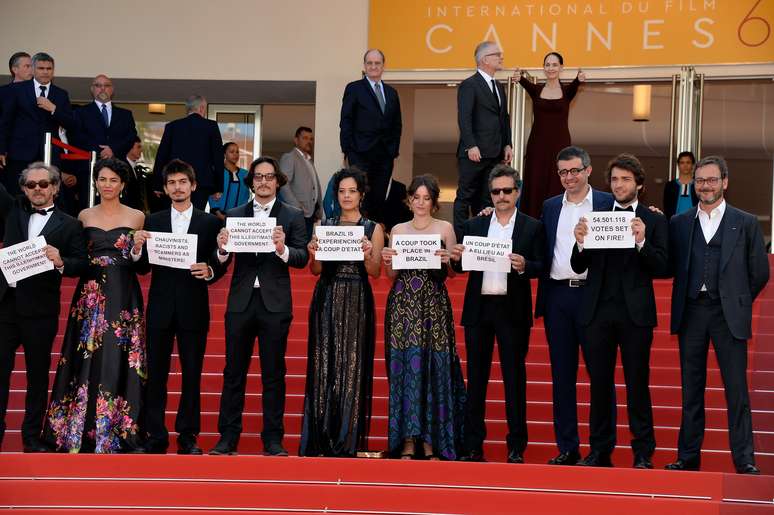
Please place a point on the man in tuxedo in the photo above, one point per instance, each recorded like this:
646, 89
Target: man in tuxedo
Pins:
178, 309
31, 109
720, 265
500, 304
260, 305
560, 292
197, 141
485, 132
370, 130
104, 128
29, 308
619, 309
303, 187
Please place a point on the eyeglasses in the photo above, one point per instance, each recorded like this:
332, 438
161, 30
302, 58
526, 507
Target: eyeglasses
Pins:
30, 185
572, 171
495, 54
711, 181
497, 191
268, 177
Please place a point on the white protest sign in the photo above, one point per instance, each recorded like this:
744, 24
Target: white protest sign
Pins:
339, 243
609, 230
416, 251
24, 260
247, 234
172, 250
486, 254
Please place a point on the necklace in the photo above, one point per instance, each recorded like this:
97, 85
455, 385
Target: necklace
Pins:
422, 228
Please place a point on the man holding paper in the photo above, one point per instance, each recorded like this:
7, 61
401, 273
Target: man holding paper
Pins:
180, 245
260, 305
498, 303
619, 309
29, 308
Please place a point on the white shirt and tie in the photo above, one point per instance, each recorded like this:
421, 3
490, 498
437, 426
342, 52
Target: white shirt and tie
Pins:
496, 283
490, 81
41, 90
108, 106
378, 89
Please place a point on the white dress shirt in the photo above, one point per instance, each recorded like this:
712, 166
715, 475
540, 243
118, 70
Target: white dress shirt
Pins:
710, 222
108, 106
565, 236
181, 220
496, 283
488, 78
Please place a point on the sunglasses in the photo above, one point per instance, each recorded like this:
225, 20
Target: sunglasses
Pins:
30, 185
268, 177
497, 191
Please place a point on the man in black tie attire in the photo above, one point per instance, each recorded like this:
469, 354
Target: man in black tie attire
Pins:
500, 304
720, 266
29, 309
260, 305
485, 132
178, 309
619, 309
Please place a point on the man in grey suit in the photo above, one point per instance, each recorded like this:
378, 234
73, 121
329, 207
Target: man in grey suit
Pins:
303, 187
720, 265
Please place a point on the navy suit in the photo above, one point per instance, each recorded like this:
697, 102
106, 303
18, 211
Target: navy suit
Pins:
370, 138
198, 142
722, 314
559, 304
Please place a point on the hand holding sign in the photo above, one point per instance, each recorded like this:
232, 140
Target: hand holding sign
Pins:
581, 230
25, 259
247, 234
52, 253
638, 228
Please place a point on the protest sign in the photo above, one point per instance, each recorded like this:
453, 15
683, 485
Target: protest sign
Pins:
172, 250
339, 243
486, 254
609, 230
25, 259
416, 251
246, 234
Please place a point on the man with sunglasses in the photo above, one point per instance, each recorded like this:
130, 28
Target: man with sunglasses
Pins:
500, 304
720, 265
260, 305
29, 309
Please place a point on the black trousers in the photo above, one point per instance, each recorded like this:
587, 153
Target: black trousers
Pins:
271, 329
612, 328
191, 347
512, 345
36, 336
472, 190
378, 167
703, 321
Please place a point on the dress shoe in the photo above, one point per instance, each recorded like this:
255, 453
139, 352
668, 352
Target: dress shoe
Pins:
515, 457
224, 446
682, 465
189, 448
748, 468
596, 459
35, 445
475, 455
565, 458
155, 448
275, 449
642, 462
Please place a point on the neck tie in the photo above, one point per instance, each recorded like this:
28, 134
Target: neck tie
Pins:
43, 91
42, 212
105, 116
494, 92
619, 208
379, 95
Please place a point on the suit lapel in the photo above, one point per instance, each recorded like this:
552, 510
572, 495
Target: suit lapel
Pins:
32, 98
165, 224
689, 236
730, 235
54, 221
372, 93
484, 88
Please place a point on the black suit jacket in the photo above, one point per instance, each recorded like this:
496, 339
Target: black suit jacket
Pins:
528, 241
744, 267
363, 125
198, 142
90, 131
173, 290
39, 295
640, 267
482, 122
23, 124
271, 271
671, 194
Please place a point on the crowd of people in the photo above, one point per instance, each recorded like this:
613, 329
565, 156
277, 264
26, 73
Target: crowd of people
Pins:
110, 389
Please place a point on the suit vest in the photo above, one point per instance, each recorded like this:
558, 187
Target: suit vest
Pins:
704, 267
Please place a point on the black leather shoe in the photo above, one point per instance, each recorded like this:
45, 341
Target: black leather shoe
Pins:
682, 465
189, 448
515, 457
642, 462
35, 445
596, 459
475, 455
748, 468
224, 447
275, 449
155, 448
565, 458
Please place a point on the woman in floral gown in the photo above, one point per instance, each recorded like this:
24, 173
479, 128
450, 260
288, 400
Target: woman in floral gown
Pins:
100, 378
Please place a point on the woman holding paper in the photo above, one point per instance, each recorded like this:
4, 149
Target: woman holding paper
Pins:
337, 406
100, 379
427, 392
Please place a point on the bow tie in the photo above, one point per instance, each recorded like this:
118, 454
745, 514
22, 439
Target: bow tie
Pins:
619, 208
258, 207
43, 212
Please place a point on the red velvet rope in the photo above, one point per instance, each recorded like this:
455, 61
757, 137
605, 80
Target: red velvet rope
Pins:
76, 154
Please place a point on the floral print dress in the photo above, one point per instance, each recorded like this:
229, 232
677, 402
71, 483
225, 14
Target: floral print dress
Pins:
100, 377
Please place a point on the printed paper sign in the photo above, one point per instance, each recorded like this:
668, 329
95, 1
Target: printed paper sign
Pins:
416, 251
337, 243
609, 230
486, 254
246, 234
24, 260
172, 250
